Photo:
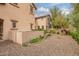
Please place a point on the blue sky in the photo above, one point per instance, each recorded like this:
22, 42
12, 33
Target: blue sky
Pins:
43, 8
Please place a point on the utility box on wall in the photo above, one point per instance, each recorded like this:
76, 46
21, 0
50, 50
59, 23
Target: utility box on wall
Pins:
19, 37
15, 36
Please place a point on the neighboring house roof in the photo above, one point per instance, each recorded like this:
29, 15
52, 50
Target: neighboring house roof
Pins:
42, 16
34, 5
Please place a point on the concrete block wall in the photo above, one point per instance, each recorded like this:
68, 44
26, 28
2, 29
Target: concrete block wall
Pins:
29, 35
21, 37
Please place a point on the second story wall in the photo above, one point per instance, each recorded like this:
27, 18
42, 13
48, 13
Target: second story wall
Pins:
11, 10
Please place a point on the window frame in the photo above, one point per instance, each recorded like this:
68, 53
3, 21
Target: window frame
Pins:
14, 24
42, 26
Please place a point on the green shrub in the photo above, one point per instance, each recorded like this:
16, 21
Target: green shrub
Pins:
53, 31
49, 34
45, 31
37, 29
37, 39
75, 35
34, 40
41, 37
25, 44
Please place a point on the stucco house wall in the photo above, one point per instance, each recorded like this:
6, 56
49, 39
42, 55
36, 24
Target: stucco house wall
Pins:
42, 21
21, 14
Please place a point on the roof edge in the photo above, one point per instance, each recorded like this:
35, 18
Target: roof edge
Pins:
42, 16
34, 5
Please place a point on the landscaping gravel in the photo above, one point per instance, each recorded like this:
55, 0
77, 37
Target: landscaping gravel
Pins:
55, 45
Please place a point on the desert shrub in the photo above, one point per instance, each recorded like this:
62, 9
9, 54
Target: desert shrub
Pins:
37, 39
49, 34
25, 44
38, 30
41, 37
45, 31
34, 40
75, 35
53, 31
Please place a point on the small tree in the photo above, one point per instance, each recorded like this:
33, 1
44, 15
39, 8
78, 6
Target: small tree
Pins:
58, 20
75, 16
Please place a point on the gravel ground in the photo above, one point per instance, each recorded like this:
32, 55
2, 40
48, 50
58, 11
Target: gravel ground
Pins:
55, 45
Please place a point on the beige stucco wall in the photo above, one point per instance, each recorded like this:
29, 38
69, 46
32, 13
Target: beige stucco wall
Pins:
42, 22
21, 14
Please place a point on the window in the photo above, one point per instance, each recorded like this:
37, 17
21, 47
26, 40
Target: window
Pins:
46, 27
38, 27
42, 27
14, 24
1, 26
31, 25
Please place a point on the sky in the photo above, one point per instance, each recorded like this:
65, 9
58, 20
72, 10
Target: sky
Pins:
44, 8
